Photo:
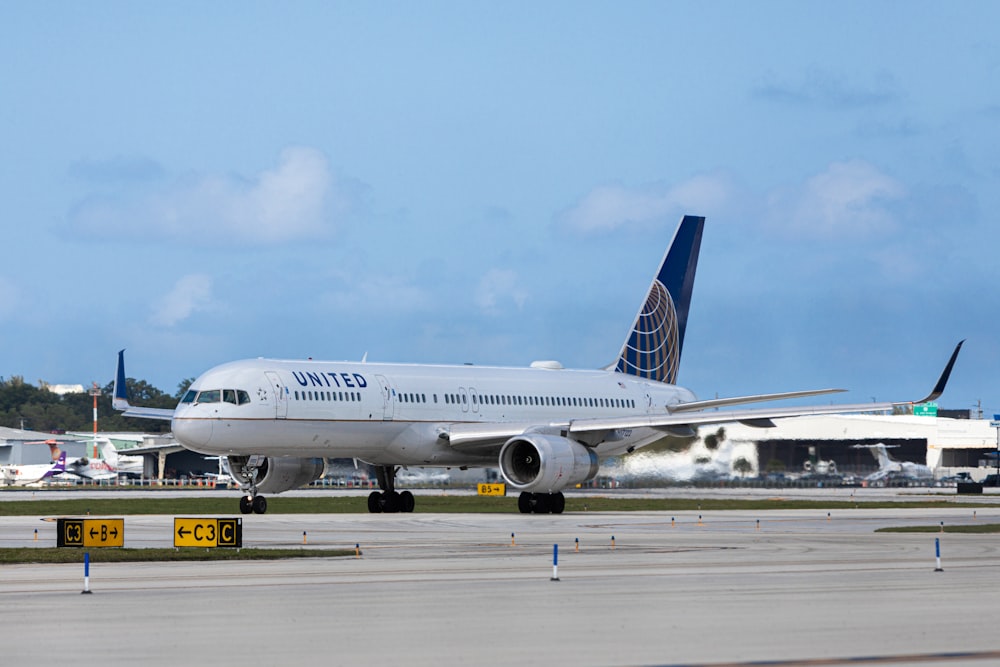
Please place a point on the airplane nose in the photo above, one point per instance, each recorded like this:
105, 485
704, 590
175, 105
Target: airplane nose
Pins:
193, 433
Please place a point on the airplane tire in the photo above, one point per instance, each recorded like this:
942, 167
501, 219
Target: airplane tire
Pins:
375, 502
557, 502
524, 502
406, 501
543, 503
259, 505
246, 505
390, 502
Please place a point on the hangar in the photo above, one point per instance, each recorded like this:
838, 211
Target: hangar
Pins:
945, 444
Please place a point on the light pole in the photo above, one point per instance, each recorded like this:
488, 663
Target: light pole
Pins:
96, 391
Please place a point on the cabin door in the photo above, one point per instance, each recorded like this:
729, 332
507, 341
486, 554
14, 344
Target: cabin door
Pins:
388, 398
280, 392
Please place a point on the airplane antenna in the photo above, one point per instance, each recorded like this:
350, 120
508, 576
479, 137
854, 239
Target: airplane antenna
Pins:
364, 358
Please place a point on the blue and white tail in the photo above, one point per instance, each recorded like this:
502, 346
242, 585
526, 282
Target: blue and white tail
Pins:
653, 347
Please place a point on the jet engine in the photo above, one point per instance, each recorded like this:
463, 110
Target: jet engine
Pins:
537, 462
277, 474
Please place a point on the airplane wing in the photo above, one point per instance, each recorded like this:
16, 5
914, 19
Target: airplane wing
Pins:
486, 437
120, 402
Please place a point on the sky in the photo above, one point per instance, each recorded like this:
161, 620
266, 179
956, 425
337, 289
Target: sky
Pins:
496, 182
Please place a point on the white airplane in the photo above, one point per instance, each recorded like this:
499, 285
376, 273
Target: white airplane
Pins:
107, 467
888, 466
820, 467
35, 473
546, 427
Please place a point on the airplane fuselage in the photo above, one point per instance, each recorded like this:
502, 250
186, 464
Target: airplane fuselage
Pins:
395, 414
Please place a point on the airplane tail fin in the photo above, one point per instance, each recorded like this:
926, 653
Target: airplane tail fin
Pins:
54, 450
119, 400
653, 347
58, 467
110, 454
881, 455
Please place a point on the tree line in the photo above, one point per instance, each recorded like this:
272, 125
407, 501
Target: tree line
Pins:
23, 405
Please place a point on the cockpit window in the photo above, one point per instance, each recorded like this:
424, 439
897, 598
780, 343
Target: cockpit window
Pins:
234, 396
210, 396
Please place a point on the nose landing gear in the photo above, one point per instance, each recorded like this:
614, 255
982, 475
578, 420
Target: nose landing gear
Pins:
253, 503
249, 472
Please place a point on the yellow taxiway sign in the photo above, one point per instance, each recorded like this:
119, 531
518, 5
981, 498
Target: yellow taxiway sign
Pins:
208, 532
90, 533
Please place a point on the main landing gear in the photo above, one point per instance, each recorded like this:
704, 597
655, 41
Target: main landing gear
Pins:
541, 503
388, 500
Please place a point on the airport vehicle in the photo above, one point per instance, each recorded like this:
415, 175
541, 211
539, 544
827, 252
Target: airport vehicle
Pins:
889, 467
278, 421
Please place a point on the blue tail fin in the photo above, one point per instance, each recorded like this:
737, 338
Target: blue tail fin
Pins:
653, 347
119, 399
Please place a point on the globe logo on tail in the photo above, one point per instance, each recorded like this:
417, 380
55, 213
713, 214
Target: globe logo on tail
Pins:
653, 347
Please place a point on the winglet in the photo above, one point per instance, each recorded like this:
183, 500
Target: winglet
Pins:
943, 380
120, 395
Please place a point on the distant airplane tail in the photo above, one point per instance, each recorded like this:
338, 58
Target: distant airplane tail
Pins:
653, 347
54, 449
110, 454
58, 467
119, 399
881, 453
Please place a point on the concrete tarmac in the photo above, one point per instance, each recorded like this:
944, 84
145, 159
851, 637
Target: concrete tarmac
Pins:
431, 589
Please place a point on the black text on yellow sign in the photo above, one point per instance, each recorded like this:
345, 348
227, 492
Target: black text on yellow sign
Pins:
205, 532
90, 533
492, 489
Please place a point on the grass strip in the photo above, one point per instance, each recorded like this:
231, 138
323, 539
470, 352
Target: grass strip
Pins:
122, 505
56, 555
974, 529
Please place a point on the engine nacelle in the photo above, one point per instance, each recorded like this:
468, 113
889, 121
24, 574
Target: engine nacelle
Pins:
277, 474
543, 463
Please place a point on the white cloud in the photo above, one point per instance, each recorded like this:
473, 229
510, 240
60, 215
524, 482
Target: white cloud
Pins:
608, 207
376, 294
190, 294
299, 198
497, 286
849, 198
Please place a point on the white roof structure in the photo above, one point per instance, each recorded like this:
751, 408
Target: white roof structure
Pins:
941, 433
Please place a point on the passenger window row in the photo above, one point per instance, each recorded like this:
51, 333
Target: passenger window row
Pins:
548, 401
331, 396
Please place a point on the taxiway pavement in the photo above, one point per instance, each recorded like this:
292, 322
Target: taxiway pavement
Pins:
431, 589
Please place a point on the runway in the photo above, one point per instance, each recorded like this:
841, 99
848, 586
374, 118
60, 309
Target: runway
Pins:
430, 589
